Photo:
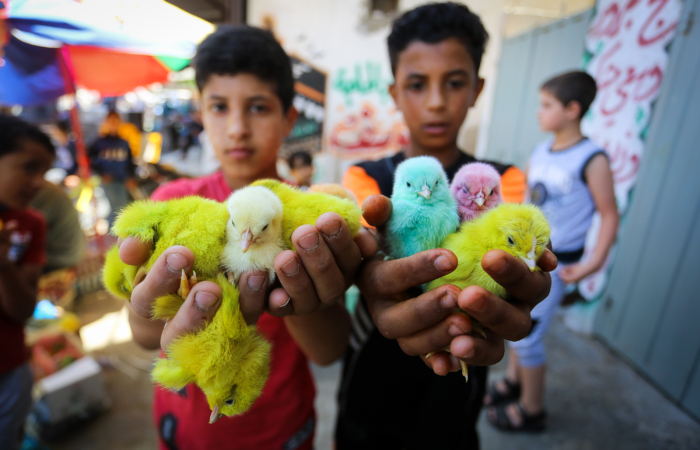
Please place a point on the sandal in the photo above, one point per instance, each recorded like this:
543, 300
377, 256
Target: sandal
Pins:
495, 396
532, 423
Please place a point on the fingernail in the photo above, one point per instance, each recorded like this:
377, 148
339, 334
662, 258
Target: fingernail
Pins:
331, 229
256, 282
443, 264
176, 262
448, 301
477, 305
309, 242
286, 303
205, 301
291, 267
469, 355
499, 266
454, 331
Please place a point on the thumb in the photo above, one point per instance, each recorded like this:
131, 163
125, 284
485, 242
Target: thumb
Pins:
377, 209
199, 308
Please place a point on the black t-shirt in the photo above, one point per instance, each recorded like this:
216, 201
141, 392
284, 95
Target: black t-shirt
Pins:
389, 400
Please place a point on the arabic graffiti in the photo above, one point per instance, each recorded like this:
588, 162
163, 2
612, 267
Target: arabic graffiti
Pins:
363, 79
626, 47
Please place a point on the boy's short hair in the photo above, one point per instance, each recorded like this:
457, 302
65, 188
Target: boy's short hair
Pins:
14, 130
435, 22
299, 159
576, 86
231, 50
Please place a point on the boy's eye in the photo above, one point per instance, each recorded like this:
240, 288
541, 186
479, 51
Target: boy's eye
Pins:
417, 86
454, 84
218, 107
258, 108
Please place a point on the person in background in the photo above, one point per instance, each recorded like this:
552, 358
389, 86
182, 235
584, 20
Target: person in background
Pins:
125, 130
111, 159
569, 178
25, 155
66, 158
301, 168
65, 240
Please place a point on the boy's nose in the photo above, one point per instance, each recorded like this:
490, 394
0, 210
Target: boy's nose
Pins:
238, 127
436, 99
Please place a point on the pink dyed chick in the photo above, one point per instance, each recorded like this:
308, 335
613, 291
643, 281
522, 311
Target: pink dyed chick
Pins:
477, 188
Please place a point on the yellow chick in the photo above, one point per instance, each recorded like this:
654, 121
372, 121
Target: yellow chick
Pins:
253, 232
227, 359
303, 208
521, 230
333, 189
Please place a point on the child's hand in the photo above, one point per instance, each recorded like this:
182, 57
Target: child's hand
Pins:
5, 242
428, 322
575, 272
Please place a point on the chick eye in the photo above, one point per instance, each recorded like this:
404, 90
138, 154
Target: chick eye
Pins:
229, 401
265, 227
510, 240
408, 184
233, 223
436, 183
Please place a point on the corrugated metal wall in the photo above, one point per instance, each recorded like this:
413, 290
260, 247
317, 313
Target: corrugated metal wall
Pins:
651, 308
526, 62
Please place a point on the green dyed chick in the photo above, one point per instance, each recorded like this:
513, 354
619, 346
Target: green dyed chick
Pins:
228, 360
303, 208
521, 230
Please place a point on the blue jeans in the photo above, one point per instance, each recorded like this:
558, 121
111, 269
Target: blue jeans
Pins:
15, 402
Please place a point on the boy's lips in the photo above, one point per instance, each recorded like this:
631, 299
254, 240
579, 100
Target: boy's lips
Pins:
239, 152
436, 128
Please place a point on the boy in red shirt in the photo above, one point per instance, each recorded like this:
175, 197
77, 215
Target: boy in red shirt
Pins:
25, 155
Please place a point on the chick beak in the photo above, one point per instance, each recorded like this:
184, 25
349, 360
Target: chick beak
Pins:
529, 259
246, 239
424, 191
214, 414
480, 200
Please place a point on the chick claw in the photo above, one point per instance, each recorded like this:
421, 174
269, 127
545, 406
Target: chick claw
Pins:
186, 285
463, 365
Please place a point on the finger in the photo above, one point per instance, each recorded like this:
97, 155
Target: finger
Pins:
280, 303
346, 253
366, 242
391, 277
134, 252
478, 351
547, 262
514, 275
162, 279
199, 307
437, 337
442, 363
376, 209
401, 319
296, 283
318, 260
252, 288
507, 320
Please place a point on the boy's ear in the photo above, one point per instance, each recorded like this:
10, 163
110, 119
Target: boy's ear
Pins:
392, 92
478, 88
290, 117
573, 110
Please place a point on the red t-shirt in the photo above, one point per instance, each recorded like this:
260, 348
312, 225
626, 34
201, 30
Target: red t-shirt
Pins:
28, 247
282, 418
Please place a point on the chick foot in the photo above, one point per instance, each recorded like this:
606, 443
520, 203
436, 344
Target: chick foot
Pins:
186, 285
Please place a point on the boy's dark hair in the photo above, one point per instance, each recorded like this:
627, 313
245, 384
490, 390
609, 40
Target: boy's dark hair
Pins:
435, 22
574, 86
231, 50
299, 159
14, 130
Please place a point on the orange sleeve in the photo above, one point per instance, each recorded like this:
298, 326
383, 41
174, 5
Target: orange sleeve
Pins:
513, 185
362, 185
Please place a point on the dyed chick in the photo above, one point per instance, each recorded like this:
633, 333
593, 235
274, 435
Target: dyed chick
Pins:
477, 188
228, 360
520, 230
424, 211
253, 232
304, 208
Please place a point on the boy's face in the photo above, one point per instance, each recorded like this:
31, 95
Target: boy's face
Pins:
553, 115
246, 124
22, 173
434, 87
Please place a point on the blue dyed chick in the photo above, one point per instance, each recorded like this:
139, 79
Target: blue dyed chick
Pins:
424, 211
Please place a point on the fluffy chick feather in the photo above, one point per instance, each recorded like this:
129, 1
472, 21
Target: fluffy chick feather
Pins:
253, 232
477, 188
424, 211
303, 208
